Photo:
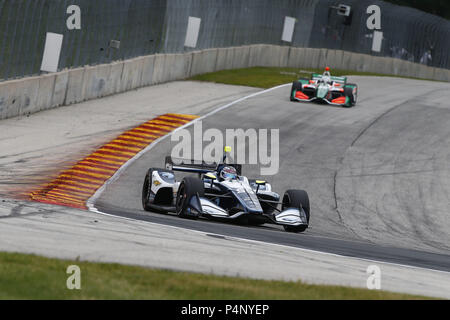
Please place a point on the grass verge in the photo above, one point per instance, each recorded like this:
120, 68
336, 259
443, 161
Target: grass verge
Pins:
266, 77
25, 276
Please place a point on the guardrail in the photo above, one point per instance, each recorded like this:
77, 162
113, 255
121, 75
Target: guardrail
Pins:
33, 94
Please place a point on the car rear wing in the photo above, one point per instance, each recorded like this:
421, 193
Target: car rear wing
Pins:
195, 166
341, 80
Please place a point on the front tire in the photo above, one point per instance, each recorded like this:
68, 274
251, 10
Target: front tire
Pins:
348, 92
296, 86
188, 188
296, 199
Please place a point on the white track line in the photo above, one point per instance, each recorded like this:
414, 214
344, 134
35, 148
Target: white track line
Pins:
91, 201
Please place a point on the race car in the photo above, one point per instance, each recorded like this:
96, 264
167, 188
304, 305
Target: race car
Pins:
325, 88
220, 192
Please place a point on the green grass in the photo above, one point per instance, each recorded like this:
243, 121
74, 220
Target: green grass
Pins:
266, 77
25, 276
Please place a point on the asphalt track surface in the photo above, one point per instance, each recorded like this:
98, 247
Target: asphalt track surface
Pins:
378, 174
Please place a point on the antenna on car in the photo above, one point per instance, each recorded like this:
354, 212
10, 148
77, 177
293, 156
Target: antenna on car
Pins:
226, 150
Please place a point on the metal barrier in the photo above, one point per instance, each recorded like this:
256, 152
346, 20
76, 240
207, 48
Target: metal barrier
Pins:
408, 34
113, 30
137, 24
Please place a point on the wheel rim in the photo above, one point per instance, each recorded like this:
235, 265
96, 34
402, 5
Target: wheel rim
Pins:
286, 201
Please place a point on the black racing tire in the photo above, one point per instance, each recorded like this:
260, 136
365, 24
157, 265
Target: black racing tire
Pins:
146, 190
356, 94
146, 187
348, 92
296, 199
297, 86
189, 187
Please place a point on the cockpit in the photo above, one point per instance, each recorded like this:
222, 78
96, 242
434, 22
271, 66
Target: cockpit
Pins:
228, 173
326, 77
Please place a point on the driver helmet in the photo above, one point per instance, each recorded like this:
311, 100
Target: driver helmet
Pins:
326, 77
228, 173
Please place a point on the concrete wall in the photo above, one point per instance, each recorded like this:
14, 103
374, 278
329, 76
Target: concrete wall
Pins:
33, 94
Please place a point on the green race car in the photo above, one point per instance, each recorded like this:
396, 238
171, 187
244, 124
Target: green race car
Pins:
325, 88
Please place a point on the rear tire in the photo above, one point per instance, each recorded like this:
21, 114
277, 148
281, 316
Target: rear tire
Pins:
296, 199
146, 189
188, 188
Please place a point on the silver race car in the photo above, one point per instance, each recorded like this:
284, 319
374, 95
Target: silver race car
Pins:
220, 192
